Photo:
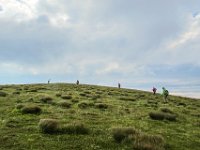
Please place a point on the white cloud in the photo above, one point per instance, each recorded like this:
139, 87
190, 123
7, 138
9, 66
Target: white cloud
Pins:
18, 10
191, 33
109, 39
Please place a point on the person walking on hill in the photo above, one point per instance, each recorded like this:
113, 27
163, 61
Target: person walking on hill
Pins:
154, 90
77, 82
165, 94
119, 85
49, 81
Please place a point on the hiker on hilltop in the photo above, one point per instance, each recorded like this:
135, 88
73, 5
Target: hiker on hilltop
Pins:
77, 82
49, 81
119, 85
154, 90
165, 94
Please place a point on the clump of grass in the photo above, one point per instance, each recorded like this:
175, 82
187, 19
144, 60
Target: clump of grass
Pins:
95, 97
75, 101
87, 92
122, 134
65, 104
157, 115
46, 99
58, 95
85, 105
148, 142
33, 90
127, 99
32, 109
12, 123
170, 117
181, 104
66, 97
162, 116
83, 94
16, 93
139, 140
3, 94
152, 102
75, 128
48, 126
166, 110
19, 106
101, 106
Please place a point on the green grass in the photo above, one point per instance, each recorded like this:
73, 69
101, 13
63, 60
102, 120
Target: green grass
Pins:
88, 114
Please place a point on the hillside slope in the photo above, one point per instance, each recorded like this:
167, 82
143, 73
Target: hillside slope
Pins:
95, 118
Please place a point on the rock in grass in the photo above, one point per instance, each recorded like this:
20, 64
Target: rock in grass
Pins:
31, 109
48, 126
3, 94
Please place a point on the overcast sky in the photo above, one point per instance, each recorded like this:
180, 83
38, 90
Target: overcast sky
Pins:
139, 43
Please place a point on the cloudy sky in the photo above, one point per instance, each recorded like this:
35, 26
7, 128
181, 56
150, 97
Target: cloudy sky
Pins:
139, 43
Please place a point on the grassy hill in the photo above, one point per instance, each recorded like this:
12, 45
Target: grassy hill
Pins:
85, 117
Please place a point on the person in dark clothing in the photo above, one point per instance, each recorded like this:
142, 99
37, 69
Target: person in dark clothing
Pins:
154, 90
119, 85
77, 82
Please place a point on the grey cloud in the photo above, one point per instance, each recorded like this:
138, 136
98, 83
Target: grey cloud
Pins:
126, 32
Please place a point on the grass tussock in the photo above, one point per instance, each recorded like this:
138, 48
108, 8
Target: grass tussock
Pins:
65, 104
84, 105
157, 115
83, 94
75, 128
32, 109
127, 99
74, 100
166, 110
46, 99
58, 95
49, 126
3, 94
162, 116
66, 97
122, 134
148, 142
16, 93
181, 104
101, 105
138, 140
19, 106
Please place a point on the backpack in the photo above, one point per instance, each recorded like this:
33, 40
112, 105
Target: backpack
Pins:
166, 92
